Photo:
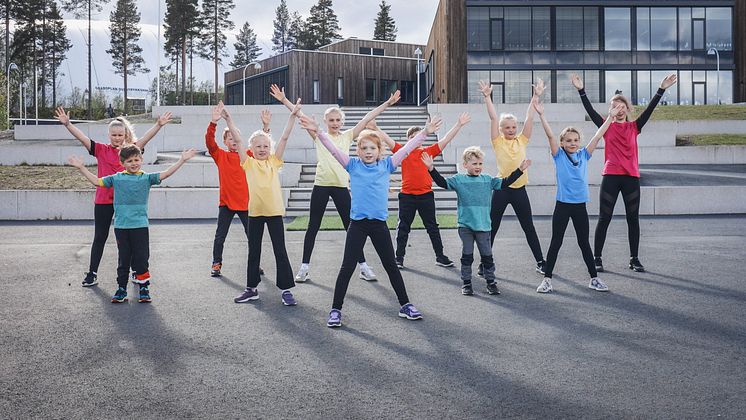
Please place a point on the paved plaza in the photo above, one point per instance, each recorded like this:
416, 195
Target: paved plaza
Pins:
669, 343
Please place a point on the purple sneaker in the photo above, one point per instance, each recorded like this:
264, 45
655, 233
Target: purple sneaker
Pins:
410, 312
288, 299
247, 295
335, 319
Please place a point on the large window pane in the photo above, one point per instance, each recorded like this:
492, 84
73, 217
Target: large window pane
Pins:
546, 76
569, 19
590, 28
618, 82
517, 87
685, 87
643, 87
617, 29
663, 28
643, 29
473, 78
698, 33
541, 28
566, 92
497, 34
685, 28
478, 28
719, 28
671, 96
726, 87
517, 28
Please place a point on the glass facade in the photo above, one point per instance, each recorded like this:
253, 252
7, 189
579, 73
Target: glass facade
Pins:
257, 88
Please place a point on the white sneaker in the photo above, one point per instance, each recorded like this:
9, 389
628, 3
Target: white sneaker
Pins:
545, 286
367, 274
302, 275
598, 285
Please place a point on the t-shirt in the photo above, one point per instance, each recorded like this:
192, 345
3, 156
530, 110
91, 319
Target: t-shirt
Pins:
107, 158
263, 179
234, 191
369, 188
329, 172
572, 180
620, 149
415, 178
474, 194
131, 193
510, 154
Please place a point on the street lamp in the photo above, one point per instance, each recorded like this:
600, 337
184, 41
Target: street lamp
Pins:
418, 53
11, 66
714, 51
257, 66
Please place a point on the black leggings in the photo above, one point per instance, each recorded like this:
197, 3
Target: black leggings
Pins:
357, 234
277, 234
563, 212
225, 217
409, 204
102, 215
518, 198
611, 185
319, 198
134, 252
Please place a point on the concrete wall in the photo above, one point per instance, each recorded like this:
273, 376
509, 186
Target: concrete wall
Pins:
205, 175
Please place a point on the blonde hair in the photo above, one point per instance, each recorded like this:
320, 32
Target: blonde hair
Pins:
505, 116
371, 136
621, 98
260, 133
472, 152
129, 131
227, 130
334, 109
570, 129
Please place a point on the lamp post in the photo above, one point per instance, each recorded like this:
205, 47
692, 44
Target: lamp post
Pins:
714, 51
257, 66
11, 66
418, 53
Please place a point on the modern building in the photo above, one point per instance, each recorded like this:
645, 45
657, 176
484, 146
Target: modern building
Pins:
626, 46
351, 72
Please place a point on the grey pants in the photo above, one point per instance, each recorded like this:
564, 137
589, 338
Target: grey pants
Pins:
468, 237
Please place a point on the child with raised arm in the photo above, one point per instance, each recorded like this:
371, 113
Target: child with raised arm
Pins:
473, 191
331, 179
107, 160
369, 184
510, 151
571, 168
266, 206
621, 171
131, 190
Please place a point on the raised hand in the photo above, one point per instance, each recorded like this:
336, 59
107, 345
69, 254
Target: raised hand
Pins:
76, 161
576, 81
485, 88
394, 98
277, 92
668, 81
539, 87
433, 125
524, 165
163, 119
217, 110
225, 114
62, 116
428, 161
614, 110
309, 123
188, 154
296, 108
266, 117
464, 119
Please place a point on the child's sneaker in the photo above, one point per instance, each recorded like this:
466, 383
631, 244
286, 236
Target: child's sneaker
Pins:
545, 286
247, 295
443, 261
492, 289
335, 319
215, 271
144, 293
540, 265
399, 262
635, 265
410, 312
598, 285
367, 274
288, 299
599, 264
302, 275
119, 296
140, 278
466, 290
90, 279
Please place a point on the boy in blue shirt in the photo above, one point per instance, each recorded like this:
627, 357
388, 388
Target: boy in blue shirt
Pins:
474, 192
131, 190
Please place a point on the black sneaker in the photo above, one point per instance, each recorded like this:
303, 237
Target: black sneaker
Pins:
599, 264
443, 261
540, 267
634, 265
144, 293
480, 270
492, 289
400, 262
466, 290
90, 279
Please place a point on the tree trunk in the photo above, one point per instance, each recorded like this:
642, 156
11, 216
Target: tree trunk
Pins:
183, 71
215, 23
90, 86
44, 57
124, 67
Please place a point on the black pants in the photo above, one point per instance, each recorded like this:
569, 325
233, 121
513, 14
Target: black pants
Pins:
358, 232
319, 198
134, 252
518, 198
277, 234
225, 217
563, 212
102, 215
409, 204
611, 186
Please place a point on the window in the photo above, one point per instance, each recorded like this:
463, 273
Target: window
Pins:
340, 88
618, 82
477, 28
541, 28
370, 91
576, 28
496, 26
472, 79
517, 87
590, 29
643, 29
685, 87
662, 28
316, 92
726, 87
387, 88
378, 51
407, 92
566, 92
685, 29
617, 29
366, 51
698, 33
643, 87
517, 28
718, 28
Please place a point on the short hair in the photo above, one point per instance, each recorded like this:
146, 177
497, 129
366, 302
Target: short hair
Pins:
129, 131
261, 133
622, 98
412, 130
472, 152
227, 130
129, 151
570, 129
372, 136
334, 109
505, 116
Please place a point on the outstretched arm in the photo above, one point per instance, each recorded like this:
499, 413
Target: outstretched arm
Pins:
602, 130
159, 122
553, 145
463, 119
64, 119
279, 94
595, 116
78, 163
185, 156
528, 124
310, 125
505, 182
280, 148
390, 143
212, 146
486, 90
665, 84
434, 174
431, 127
375, 112
241, 149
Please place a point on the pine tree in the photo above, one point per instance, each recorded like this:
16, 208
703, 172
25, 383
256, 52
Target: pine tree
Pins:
59, 44
24, 49
246, 48
125, 52
281, 35
182, 23
322, 26
215, 22
385, 26
296, 32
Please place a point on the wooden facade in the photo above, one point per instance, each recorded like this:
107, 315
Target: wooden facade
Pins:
390, 49
739, 46
445, 54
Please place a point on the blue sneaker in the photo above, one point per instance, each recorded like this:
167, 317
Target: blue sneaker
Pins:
90, 279
120, 295
145, 293
410, 312
335, 319
247, 295
288, 299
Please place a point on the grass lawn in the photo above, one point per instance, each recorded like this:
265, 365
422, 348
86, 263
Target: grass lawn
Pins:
696, 112
31, 177
711, 140
446, 221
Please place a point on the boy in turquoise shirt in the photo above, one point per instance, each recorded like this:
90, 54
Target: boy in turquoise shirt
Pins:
474, 192
131, 190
